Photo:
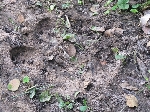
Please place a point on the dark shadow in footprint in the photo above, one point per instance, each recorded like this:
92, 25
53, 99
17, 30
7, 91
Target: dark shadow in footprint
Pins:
19, 54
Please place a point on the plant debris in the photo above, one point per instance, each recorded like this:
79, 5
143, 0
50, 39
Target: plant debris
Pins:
125, 85
14, 84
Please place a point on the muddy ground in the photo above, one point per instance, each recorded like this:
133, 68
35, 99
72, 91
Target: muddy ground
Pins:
32, 44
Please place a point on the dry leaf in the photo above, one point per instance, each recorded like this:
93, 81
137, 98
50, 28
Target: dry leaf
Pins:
145, 23
14, 84
148, 44
144, 19
146, 12
125, 85
131, 100
8, 1
71, 50
68, 25
99, 0
21, 18
146, 30
148, 23
119, 30
12, 1
109, 32
98, 29
85, 84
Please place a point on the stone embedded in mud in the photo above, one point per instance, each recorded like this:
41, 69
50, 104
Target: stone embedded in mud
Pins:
131, 100
71, 50
20, 18
109, 32
51, 57
103, 63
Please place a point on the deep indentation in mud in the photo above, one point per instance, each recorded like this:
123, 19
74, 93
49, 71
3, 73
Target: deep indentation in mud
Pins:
89, 86
43, 25
18, 53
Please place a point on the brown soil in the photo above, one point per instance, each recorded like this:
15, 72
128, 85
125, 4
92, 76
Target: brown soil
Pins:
31, 44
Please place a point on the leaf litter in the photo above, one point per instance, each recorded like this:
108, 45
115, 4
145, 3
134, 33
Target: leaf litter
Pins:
14, 84
145, 23
125, 85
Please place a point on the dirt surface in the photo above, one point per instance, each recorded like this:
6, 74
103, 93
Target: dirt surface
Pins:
31, 44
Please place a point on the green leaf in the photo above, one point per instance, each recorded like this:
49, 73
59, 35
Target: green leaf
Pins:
107, 12
119, 57
73, 58
148, 86
65, 6
146, 78
80, 2
123, 4
70, 106
31, 91
26, 79
68, 97
38, 3
107, 3
68, 36
83, 108
148, 71
61, 103
9, 86
44, 96
123, 1
115, 50
114, 7
135, 6
134, 11
84, 102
